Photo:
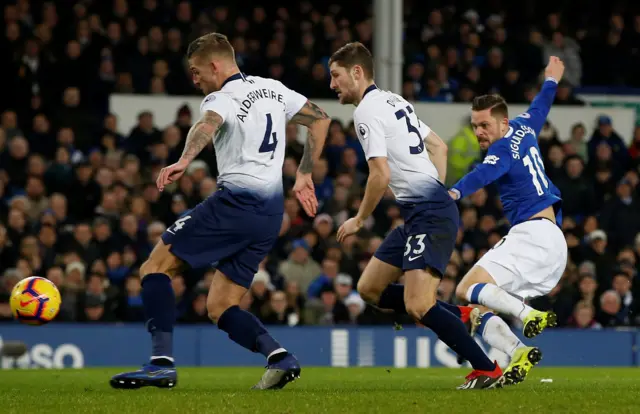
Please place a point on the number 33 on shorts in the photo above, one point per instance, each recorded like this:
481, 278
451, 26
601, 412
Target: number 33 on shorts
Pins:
415, 246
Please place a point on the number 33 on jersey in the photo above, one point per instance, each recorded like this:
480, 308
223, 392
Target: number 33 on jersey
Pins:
387, 126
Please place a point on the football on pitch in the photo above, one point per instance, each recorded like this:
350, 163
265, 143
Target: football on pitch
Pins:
35, 301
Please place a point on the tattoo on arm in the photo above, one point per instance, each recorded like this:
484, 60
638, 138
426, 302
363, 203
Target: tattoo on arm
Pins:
200, 135
309, 113
306, 163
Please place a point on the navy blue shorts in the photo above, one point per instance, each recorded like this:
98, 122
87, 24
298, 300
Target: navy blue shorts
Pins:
219, 234
425, 240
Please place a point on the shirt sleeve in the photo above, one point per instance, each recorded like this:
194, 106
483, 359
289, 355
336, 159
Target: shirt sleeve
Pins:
218, 103
539, 109
293, 101
371, 134
495, 165
424, 129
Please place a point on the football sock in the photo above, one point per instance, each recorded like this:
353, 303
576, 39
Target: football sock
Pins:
495, 332
159, 305
493, 297
393, 298
247, 331
452, 331
455, 309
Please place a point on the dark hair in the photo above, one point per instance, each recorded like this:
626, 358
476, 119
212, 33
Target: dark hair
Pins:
211, 43
494, 102
353, 54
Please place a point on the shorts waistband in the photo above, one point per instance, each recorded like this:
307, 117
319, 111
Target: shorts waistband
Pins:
540, 218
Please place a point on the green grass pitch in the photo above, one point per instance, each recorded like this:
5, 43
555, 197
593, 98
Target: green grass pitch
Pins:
323, 390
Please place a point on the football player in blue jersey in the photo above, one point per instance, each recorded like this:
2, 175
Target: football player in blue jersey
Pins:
530, 260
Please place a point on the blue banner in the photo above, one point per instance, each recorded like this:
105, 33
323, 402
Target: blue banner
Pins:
76, 346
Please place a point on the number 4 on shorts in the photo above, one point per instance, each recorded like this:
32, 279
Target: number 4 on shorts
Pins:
178, 224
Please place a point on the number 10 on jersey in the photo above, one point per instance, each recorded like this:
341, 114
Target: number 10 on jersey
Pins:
536, 169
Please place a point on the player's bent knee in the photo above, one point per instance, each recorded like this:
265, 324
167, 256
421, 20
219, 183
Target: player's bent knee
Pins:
161, 260
370, 294
416, 309
461, 291
215, 309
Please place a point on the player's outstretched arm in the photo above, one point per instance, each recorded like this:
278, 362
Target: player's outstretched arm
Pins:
377, 183
198, 137
495, 165
437, 150
317, 122
541, 105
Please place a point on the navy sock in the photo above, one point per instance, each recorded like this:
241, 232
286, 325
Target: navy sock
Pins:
159, 305
393, 298
452, 332
246, 330
451, 308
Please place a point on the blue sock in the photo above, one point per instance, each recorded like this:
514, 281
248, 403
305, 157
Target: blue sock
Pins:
483, 322
393, 298
451, 308
159, 305
247, 331
452, 332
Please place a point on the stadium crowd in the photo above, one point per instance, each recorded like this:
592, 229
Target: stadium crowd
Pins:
78, 202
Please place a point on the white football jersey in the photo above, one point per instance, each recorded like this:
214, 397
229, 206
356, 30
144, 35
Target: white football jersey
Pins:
250, 143
387, 126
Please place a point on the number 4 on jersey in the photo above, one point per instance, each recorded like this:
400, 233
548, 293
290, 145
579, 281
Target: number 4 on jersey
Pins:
266, 145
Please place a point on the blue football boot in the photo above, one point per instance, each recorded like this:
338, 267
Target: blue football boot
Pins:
279, 374
148, 376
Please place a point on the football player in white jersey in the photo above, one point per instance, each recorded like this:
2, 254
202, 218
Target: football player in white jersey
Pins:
404, 154
235, 228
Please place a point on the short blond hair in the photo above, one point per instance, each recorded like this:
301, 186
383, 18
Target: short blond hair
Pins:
209, 44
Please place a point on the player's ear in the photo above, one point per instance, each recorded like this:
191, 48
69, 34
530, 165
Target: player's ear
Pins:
356, 72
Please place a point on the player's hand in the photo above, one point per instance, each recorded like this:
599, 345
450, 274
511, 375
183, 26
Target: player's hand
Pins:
171, 174
306, 193
453, 194
349, 227
555, 68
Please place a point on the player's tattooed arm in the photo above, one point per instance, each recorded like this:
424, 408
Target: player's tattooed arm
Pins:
437, 150
317, 121
200, 135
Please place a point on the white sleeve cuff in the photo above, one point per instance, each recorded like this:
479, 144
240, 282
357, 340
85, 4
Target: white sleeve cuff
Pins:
551, 78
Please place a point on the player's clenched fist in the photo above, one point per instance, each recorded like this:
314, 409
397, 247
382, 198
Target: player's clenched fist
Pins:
555, 68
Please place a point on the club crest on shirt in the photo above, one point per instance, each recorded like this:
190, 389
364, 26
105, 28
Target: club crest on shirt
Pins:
363, 131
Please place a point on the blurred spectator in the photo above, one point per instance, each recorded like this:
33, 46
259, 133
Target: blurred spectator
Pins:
577, 144
619, 216
300, 268
611, 312
279, 313
578, 197
584, 317
464, 150
568, 50
606, 133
